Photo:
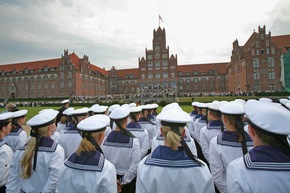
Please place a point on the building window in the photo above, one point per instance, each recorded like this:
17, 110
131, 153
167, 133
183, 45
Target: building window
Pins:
150, 64
188, 87
172, 75
38, 85
256, 63
61, 75
272, 50
69, 75
45, 85
143, 76
180, 73
253, 51
61, 85
25, 86
32, 86
180, 81
165, 75
203, 80
272, 87
256, 75
271, 63
69, 84
195, 80
267, 51
256, 88
262, 51
195, 72
157, 75
188, 80
150, 75
271, 75
257, 52
52, 85
180, 87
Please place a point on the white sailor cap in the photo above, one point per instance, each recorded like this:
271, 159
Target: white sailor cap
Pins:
132, 105
42, 119
68, 111
284, 101
112, 107
80, 112
214, 106
120, 113
99, 109
232, 108
65, 101
19, 113
171, 106
95, 105
194, 103
265, 99
5, 116
45, 110
135, 109
288, 105
202, 105
240, 101
148, 106
94, 123
174, 116
155, 105
271, 118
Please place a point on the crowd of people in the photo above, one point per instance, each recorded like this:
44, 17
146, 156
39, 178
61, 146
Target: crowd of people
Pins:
227, 147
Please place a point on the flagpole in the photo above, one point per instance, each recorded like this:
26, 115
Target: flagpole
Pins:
159, 20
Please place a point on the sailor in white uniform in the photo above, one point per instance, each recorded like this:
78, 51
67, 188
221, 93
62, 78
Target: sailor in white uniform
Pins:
87, 170
64, 120
37, 172
102, 110
17, 136
71, 138
110, 109
136, 129
147, 124
122, 148
170, 168
229, 145
266, 167
212, 129
194, 111
6, 152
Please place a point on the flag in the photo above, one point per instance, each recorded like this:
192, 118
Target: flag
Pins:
160, 18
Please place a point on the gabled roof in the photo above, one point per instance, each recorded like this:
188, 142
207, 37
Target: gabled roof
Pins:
282, 42
75, 60
51, 63
124, 72
98, 69
220, 67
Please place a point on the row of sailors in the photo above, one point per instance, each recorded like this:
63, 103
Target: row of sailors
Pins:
95, 163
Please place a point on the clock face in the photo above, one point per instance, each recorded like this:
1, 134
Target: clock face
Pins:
157, 55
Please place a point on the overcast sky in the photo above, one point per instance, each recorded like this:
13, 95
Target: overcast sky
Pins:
117, 32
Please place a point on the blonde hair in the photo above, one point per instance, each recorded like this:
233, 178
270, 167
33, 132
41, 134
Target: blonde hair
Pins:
86, 145
171, 137
26, 162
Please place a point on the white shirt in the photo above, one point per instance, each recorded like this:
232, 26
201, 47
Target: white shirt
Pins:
151, 129
16, 139
91, 174
124, 153
159, 174
221, 153
6, 155
44, 178
70, 141
271, 176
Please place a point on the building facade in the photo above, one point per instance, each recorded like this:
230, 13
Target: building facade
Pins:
255, 66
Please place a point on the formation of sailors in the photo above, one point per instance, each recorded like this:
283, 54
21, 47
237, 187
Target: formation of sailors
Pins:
218, 147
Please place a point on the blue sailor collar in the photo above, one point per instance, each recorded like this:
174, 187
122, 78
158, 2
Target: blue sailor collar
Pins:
2, 142
16, 131
142, 120
134, 126
150, 116
118, 139
163, 156
229, 138
215, 123
193, 113
89, 161
45, 144
198, 116
154, 113
72, 127
203, 118
267, 158
161, 137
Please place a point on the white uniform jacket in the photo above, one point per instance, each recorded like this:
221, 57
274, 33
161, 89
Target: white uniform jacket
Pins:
151, 129
90, 173
209, 131
142, 134
50, 157
198, 124
223, 149
265, 169
159, 140
6, 155
16, 138
165, 170
60, 126
70, 140
191, 124
124, 153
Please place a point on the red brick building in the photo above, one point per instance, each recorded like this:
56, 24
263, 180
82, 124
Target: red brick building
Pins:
253, 67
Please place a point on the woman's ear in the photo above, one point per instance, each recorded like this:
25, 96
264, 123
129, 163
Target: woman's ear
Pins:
252, 131
183, 133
